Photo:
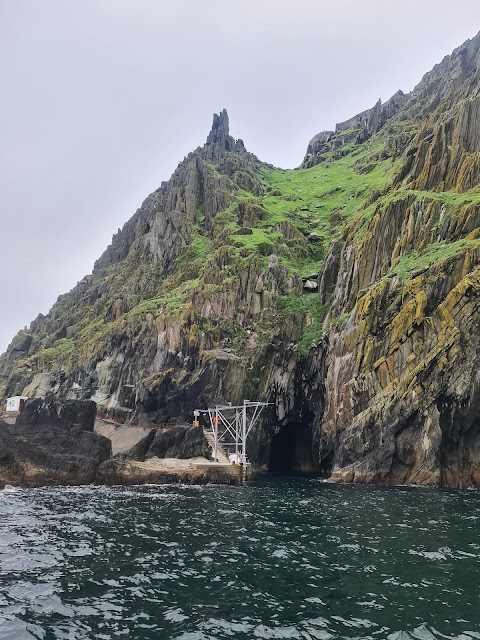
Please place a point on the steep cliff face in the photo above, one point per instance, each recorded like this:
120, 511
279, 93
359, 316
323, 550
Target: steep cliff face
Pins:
402, 393
443, 153
345, 292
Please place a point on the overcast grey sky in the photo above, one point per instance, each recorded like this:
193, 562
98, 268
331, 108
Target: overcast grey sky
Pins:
102, 98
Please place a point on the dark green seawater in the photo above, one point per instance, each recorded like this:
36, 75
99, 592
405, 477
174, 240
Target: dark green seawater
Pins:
282, 557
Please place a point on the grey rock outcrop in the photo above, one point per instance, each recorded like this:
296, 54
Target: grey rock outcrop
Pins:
180, 442
318, 144
357, 129
219, 139
57, 447
372, 120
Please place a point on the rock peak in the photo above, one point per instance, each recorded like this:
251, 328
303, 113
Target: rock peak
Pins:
219, 139
220, 122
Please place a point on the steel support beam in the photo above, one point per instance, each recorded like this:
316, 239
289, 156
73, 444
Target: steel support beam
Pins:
232, 424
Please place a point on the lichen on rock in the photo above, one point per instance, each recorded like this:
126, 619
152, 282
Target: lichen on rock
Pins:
346, 292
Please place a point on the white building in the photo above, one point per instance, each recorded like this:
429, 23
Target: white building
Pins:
15, 404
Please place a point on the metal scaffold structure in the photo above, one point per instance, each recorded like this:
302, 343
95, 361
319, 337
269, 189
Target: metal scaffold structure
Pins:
231, 426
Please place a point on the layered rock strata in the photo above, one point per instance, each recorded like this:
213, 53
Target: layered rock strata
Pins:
346, 293
52, 443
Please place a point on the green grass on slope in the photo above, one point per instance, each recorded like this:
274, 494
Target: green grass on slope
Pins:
314, 312
452, 199
304, 210
257, 239
321, 199
433, 253
300, 214
48, 357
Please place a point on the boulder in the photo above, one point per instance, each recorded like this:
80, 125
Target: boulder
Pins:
52, 444
310, 285
179, 442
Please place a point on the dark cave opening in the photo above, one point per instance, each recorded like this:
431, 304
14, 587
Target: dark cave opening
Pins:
292, 449
459, 452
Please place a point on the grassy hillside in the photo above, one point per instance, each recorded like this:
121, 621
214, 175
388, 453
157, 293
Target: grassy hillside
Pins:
295, 215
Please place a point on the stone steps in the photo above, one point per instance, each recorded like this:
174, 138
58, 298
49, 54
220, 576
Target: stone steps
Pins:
221, 453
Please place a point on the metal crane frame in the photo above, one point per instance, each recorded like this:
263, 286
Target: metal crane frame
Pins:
232, 424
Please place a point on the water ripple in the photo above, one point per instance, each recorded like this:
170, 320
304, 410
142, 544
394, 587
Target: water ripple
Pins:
282, 557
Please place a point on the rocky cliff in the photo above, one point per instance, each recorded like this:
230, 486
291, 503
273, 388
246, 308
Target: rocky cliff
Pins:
52, 443
58, 443
345, 292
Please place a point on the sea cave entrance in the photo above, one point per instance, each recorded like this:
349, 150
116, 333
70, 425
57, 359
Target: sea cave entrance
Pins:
292, 449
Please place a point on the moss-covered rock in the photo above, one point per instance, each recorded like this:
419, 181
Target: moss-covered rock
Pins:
202, 297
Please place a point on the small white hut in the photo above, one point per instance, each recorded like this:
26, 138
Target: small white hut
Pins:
15, 404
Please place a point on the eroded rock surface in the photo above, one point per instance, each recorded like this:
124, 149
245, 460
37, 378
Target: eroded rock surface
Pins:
345, 293
52, 444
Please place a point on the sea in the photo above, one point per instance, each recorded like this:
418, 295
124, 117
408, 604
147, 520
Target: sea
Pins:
280, 557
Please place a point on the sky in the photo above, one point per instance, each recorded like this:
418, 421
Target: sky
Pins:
100, 100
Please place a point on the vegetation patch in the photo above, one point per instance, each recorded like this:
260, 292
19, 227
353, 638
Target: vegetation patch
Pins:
433, 253
313, 316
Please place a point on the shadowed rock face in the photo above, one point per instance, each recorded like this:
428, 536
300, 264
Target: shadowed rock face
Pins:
200, 298
180, 442
47, 412
52, 443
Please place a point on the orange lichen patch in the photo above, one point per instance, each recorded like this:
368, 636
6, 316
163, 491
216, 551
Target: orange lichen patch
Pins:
379, 362
412, 287
467, 264
469, 172
442, 362
398, 250
465, 221
453, 352
420, 306
351, 338
364, 304
474, 234
383, 375
389, 363
469, 284
410, 314
365, 355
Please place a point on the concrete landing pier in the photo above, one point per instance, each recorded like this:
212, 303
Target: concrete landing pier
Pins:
171, 471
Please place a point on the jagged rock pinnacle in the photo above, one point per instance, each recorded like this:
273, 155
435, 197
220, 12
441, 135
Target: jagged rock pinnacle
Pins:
219, 139
220, 124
